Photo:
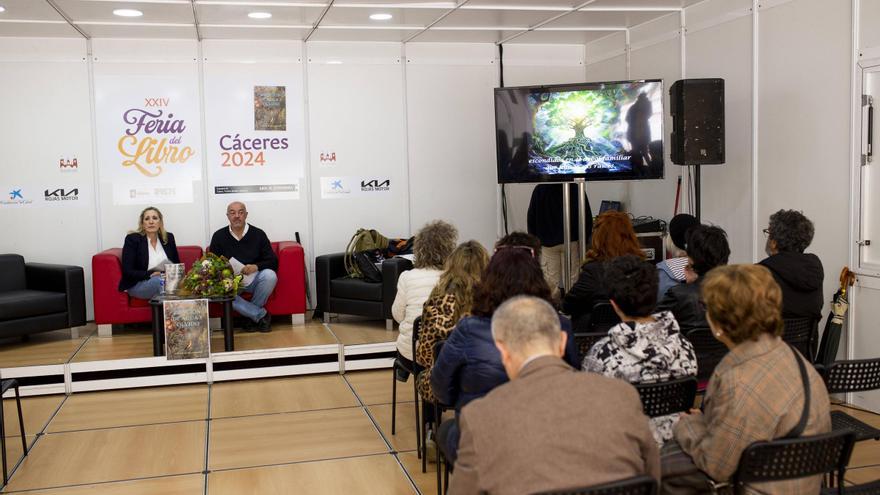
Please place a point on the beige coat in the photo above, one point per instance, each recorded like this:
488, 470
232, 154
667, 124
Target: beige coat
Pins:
553, 428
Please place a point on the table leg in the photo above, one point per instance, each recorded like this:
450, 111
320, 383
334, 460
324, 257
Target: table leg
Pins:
228, 337
158, 330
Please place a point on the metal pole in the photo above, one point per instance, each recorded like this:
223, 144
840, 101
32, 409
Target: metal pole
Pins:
697, 192
582, 218
566, 237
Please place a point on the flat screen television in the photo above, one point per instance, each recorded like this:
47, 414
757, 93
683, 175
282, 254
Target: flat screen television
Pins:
594, 131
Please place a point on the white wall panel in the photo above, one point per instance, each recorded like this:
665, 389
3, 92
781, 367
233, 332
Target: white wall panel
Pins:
804, 147
173, 67
725, 51
869, 18
356, 110
232, 69
44, 94
451, 122
526, 65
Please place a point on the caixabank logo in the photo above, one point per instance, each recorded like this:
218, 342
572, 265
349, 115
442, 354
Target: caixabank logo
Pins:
16, 196
375, 185
61, 194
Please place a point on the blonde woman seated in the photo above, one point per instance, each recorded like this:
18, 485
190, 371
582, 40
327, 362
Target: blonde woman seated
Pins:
760, 391
646, 346
432, 245
145, 253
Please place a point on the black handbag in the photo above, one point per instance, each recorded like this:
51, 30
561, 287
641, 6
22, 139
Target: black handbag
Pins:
367, 267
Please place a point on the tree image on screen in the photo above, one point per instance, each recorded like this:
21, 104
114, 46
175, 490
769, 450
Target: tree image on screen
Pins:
603, 130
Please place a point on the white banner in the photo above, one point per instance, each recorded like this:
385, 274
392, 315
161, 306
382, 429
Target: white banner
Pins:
255, 132
345, 187
148, 130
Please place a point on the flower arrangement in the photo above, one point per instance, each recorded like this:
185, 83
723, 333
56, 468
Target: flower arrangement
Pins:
211, 275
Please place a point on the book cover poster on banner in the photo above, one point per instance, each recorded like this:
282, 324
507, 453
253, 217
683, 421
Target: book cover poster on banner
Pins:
148, 135
187, 334
255, 132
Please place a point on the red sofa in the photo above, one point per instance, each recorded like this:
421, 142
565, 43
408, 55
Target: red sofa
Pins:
115, 307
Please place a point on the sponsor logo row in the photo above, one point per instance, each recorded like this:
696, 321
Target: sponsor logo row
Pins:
340, 187
32, 196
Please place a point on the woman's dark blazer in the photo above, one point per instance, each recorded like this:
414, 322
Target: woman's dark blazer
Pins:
136, 255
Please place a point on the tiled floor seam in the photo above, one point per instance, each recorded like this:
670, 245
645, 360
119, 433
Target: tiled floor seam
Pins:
57, 487
125, 426
205, 471
285, 412
412, 482
81, 345
274, 464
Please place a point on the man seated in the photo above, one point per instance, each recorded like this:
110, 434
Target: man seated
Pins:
248, 248
706, 248
550, 427
799, 275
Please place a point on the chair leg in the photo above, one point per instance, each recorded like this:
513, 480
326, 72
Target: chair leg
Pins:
105, 330
416, 401
389, 324
21, 421
393, 396
445, 477
424, 432
440, 461
3, 443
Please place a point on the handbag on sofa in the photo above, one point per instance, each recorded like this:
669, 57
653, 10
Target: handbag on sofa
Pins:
362, 240
367, 267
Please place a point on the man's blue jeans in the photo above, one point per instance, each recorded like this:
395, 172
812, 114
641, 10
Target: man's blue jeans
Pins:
261, 288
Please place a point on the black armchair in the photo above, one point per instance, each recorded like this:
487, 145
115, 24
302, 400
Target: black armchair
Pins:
38, 297
339, 293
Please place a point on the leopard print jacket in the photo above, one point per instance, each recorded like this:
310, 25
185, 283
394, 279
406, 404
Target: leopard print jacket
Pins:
437, 323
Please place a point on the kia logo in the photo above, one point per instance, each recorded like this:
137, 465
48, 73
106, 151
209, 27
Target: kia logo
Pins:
375, 183
61, 194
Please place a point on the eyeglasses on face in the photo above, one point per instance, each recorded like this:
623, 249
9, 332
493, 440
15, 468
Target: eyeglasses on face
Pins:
524, 248
766, 231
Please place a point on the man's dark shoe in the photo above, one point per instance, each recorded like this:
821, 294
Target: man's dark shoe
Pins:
265, 323
245, 324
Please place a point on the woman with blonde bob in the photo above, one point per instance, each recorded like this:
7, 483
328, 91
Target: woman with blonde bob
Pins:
145, 253
762, 390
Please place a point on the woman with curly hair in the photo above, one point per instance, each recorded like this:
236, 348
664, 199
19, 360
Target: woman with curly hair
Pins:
432, 245
469, 366
613, 236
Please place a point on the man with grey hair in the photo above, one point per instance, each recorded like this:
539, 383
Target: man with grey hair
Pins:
591, 428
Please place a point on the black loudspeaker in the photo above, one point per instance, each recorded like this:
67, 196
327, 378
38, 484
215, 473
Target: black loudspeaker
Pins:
697, 121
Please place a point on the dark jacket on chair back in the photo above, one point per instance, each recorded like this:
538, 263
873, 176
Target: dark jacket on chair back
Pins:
589, 289
136, 255
684, 302
800, 277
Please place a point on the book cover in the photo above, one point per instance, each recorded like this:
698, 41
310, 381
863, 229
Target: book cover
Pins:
187, 334
270, 108
174, 273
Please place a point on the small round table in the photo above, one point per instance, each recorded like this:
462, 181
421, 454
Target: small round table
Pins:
159, 319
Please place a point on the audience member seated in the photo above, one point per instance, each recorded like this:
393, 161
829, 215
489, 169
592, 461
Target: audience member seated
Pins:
452, 298
671, 270
145, 253
762, 390
799, 275
613, 236
250, 247
522, 240
644, 347
431, 247
549, 428
707, 248
469, 365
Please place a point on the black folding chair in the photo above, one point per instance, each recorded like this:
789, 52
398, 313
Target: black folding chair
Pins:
858, 375
662, 398
802, 334
793, 458
603, 317
585, 341
869, 488
438, 419
637, 485
5, 385
708, 349
413, 370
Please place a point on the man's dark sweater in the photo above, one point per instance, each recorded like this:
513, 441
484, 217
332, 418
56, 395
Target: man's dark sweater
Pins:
253, 249
800, 276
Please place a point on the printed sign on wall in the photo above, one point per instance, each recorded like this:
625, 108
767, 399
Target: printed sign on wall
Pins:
148, 133
255, 133
345, 187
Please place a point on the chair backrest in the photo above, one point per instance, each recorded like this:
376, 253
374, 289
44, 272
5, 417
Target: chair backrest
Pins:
585, 341
417, 325
12, 268
799, 333
708, 349
637, 485
662, 398
793, 458
857, 375
603, 317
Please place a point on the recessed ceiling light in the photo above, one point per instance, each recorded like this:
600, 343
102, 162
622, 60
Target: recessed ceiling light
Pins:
259, 15
2, 9
380, 17
128, 13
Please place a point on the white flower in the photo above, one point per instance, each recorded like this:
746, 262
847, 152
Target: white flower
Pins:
206, 263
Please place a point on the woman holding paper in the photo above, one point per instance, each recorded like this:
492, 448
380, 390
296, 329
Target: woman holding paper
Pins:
144, 255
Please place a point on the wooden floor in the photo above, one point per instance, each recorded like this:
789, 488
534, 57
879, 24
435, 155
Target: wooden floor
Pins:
311, 434
83, 344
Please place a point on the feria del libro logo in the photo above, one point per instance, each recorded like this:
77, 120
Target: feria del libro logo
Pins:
153, 138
